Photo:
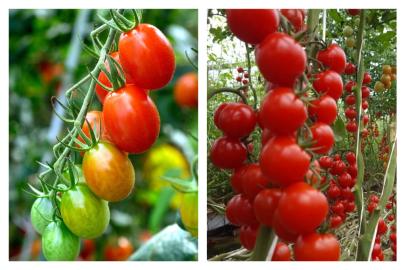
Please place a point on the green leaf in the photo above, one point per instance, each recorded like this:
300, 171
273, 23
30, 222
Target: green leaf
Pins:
339, 129
170, 244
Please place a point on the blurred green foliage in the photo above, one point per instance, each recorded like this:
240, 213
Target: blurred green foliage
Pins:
39, 44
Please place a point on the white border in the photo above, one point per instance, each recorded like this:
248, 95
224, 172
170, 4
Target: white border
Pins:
202, 5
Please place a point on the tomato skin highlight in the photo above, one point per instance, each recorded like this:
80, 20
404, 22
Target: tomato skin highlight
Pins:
109, 172
59, 244
242, 21
301, 208
42, 213
131, 119
237, 120
286, 55
282, 112
147, 56
120, 251
186, 90
281, 252
265, 204
228, 153
283, 161
100, 92
317, 247
85, 214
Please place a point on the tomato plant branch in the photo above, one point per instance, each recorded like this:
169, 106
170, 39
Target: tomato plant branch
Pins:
263, 244
212, 93
247, 53
313, 26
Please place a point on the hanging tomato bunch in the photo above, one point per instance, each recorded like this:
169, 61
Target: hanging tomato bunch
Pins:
280, 189
76, 204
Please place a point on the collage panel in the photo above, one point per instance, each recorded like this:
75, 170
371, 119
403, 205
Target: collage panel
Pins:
301, 129
103, 139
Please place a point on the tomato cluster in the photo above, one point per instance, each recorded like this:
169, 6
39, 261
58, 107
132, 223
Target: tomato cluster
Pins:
387, 78
280, 191
128, 123
243, 76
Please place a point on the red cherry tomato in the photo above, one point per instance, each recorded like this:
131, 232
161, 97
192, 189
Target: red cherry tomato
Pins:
282, 232
228, 153
333, 57
338, 168
353, 170
365, 92
284, 161
353, 12
330, 83
186, 90
351, 126
365, 119
217, 114
350, 68
367, 78
146, 54
350, 100
248, 236
119, 251
265, 204
240, 69
317, 247
324, 109
333, 191
239, 211
100, 92
335, 221
295, 17
242, 21
301, 208
364, 104
350, 113
237, 120
326, 162
282, 112
237, 178
345, 180
349, 86
382, 227
238, 79
351, 158
253, 181
281, 252
131, 119
281, 50
323, 137
266, 135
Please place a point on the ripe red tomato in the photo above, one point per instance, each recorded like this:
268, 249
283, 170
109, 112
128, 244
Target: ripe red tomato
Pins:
217, 114
330, 83
351, 126
338, 168
253, 181
326, 162
301, 208
353, 12
109, 172
281, 252
238, 79
364, 104
350, 113
335, 221
96, 121
228, 153
146, 54
282, 112
317, 247
323, 137
266, 135
324, 109
88, 249
345, 180
239, 211
242, 21
186, 90
295, 17
367, 78
350, 68
338, 208
382, 227
350, 100
333, 57
237, 120
365, 119
119, 251
351, 158
352, 170
349, 86
265, 204
333, 191
131, 119
282, 232
240, 69
281, 50
100, 92
237, 178
284, 161
248, 236
350, 207
365, 92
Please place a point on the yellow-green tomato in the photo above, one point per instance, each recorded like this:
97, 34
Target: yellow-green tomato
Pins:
85, 214
58, 243
108, 172
189, 212
42, 213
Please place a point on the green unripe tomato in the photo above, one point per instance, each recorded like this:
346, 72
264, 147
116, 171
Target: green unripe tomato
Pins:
42, 213
85, 214
59, 244
348, 31
350, 42
189, 212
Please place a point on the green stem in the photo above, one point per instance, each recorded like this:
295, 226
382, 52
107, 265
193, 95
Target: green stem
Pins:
212, 93
263, 244
313, 26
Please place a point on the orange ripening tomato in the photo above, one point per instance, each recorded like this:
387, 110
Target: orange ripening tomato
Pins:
147, 55
119, 251
109, 172
186, 90
132, 119
100, 92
